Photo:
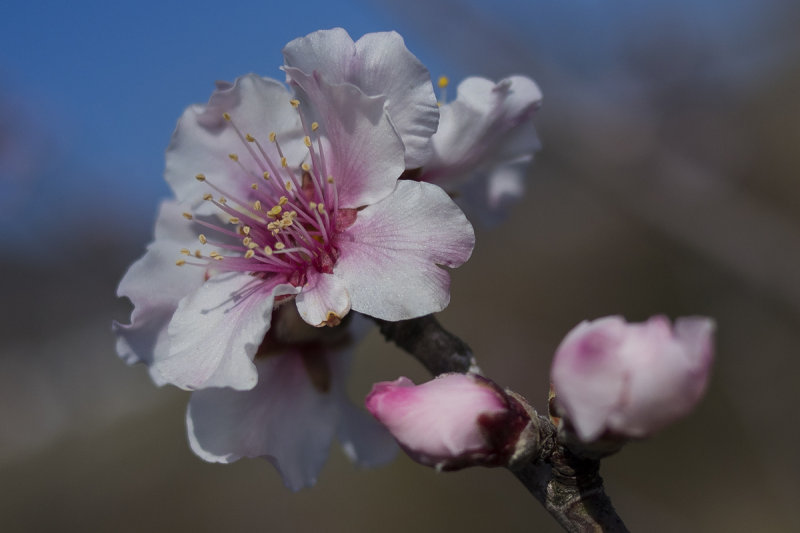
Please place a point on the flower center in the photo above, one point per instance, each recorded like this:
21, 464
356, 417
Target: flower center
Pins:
288, 219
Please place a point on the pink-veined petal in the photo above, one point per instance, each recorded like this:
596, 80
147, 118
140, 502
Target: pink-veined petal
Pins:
217, 329
390, 256
363, 152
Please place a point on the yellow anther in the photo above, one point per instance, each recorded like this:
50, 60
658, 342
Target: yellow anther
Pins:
330, 179
219, 257
233, 220
272, 136
202, 239
180, 262
226, 116
198, 254
252, 245
257, 204
233, 157
279, 246
254, 186
443, 82
282, 200
294, 103
267, 250
274, 211
214, 254
312, 205
208, 196
250, 138
223, 200
266, 175
320, 207
307, 141
246, 241
187, 216
185, 251
288, 185
314, 126
200, 177
248, 254
246, 230
306, 167
284, 164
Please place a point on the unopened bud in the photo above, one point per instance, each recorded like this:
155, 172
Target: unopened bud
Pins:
613, 379
451, 422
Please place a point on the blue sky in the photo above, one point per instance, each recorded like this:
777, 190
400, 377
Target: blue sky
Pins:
95, 87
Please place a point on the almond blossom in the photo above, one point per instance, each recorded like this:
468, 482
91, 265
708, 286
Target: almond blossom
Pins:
631, 380
319, 216
288, 204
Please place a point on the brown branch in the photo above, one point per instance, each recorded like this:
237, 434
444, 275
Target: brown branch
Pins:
567, 485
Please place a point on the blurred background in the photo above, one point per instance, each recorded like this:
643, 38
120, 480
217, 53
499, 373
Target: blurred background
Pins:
667, 183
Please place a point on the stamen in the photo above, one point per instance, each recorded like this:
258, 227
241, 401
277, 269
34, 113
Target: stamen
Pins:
180, 262
442, 83
202, 239
187, 216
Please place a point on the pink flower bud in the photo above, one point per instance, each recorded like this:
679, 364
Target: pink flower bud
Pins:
451, 422
631, 379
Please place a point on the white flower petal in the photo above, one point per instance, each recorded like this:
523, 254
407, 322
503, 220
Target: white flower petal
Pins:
323, 300
390, 256
283, 419
216, 331
485, 136
380, 65
155, 285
